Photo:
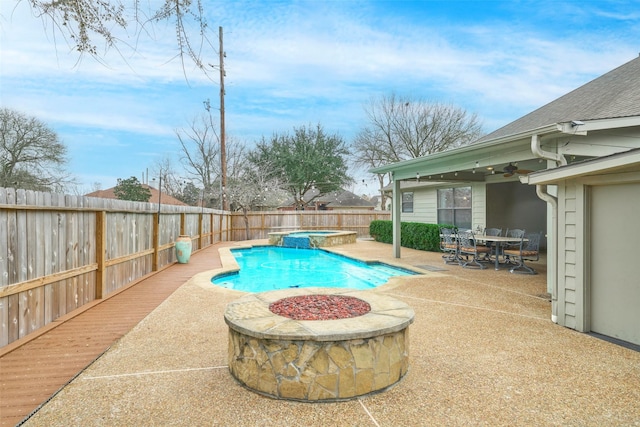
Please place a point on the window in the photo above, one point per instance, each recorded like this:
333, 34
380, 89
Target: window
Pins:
407, 202
454, 206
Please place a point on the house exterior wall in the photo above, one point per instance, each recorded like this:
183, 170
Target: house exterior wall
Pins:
612, 283
575, 262
570, 244
479, 205
511, 204
425, 204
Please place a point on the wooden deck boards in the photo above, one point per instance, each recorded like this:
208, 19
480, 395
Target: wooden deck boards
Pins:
33, 372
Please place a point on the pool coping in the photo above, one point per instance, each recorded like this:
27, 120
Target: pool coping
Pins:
250, 315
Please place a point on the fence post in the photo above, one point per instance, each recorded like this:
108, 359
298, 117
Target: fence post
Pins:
101, 244
183, 220
212, 224
156, 242
200, 231
223, 219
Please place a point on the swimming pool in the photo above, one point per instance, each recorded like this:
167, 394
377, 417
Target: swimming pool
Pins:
267, 268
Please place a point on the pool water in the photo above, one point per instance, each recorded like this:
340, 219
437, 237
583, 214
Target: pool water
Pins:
268, 268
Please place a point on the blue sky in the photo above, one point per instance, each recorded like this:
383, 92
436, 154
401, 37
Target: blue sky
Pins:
295, 63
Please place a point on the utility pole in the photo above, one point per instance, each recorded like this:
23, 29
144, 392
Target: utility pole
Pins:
223, 153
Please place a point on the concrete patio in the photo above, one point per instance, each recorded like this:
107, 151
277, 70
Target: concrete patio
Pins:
483, 351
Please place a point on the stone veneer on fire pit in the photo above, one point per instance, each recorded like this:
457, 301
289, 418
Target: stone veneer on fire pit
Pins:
318, 360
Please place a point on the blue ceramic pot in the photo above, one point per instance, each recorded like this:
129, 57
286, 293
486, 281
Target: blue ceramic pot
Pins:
183, 248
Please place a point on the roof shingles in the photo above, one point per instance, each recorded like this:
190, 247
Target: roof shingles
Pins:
612, 95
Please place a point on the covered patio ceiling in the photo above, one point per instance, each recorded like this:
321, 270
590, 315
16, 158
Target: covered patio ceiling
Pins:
486, 159
475, 162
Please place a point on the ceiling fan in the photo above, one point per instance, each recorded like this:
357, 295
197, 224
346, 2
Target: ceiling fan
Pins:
510, 169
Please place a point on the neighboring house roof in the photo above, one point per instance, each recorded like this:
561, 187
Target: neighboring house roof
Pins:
341, 198
109, 193
344, 199
612, 95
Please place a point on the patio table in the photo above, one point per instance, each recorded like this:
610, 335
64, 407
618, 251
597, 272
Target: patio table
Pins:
499, 241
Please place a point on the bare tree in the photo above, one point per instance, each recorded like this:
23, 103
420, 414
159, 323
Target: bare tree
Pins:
200, 148
402, 128
172, 183
31, 155
250, 188
86, 23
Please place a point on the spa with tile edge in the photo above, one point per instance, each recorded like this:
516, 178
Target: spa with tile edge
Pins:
318, 360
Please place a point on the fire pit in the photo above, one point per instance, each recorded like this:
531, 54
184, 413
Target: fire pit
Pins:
318, 344
320, 307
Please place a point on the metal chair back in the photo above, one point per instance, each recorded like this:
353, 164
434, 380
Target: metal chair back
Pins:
529, 250
449, 245
531, 244
493, 232
515, 232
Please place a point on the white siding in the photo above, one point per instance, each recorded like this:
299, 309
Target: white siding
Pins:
567, 250
479, 205
425, 205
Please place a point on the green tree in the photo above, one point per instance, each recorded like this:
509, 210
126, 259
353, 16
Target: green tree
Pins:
31, 155
308, 159
189, 194
132, 189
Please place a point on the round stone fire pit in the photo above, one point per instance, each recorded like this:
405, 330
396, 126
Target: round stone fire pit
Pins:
320, 307
318, 344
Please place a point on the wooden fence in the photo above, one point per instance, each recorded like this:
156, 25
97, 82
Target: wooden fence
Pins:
263, 223
60, 252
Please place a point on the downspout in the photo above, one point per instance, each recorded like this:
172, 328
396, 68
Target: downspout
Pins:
541, 191
547, 155
543, 194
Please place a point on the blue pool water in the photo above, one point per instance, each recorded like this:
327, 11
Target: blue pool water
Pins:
267, 268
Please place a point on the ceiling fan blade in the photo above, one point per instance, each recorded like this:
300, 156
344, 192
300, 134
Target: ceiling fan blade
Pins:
524, 171
509, 169
507, 175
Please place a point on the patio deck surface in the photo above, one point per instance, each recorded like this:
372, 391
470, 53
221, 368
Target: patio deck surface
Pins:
483, 351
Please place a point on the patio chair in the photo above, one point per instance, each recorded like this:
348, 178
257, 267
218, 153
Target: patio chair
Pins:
529, 250
449, 245
468, 248
491, 232
516, 233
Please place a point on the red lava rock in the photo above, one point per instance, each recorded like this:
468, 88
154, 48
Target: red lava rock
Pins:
320, 307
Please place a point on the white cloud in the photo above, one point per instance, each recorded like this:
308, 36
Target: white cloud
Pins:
291, 63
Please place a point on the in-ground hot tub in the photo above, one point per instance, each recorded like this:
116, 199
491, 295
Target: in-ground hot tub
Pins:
318, 360
311, 238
